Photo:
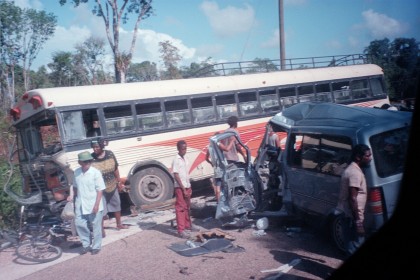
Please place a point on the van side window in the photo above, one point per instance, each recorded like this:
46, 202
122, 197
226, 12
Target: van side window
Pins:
327, 154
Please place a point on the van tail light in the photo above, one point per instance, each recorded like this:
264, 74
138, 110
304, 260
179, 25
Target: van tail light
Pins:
375, 201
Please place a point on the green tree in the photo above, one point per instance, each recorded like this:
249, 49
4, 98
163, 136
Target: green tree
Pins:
10, 52
260, 65
120, 12
170, 57
40, 78
141, 72
89, 59
61, 69
37, 27
401, 63
202, 69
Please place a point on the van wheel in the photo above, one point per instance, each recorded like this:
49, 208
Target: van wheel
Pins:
340, 231
151, 185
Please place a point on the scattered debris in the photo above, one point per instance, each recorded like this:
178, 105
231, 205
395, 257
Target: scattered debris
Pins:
259, 233
212, 245
282, 269
213, 233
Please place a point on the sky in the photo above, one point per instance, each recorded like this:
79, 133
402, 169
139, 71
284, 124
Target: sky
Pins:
238, 30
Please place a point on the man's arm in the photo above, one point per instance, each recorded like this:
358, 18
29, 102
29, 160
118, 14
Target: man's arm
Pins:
355, 210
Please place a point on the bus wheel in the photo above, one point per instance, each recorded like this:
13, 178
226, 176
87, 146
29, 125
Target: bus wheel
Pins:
151, 185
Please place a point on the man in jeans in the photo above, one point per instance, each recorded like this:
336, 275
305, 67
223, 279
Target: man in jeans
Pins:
88, 185
353, 194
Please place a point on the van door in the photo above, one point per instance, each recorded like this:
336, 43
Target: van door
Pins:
314, 166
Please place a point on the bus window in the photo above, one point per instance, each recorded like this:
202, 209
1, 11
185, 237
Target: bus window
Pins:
376, 86
306, 93
323, 92
269, 100
118, 119
74, 128
288, 96
203, 110
150, 115
248, 103
226, 106
360, 89
341, 91
177, 112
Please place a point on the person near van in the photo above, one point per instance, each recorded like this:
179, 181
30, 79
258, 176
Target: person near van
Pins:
353, 193
183, 191
106, 162
232, 154
217, 178
88, 185
273, 139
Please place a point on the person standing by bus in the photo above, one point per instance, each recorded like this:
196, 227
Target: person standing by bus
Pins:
106, 162
273, 139
353, 194
183, 191
88, 185
232, 154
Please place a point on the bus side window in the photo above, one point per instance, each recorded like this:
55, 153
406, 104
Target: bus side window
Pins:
226, 106
306, 93
248, 103
341, 91
203, 110
118, 119
269, 101
288, 96
150, 115
360, 89
376, 87
323, 92
177, 112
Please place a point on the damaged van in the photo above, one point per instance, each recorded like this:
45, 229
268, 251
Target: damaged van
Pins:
303, 177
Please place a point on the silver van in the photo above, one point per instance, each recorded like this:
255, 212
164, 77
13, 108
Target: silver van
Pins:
304, 177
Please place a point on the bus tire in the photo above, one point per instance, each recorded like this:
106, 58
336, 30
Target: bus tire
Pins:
151, 185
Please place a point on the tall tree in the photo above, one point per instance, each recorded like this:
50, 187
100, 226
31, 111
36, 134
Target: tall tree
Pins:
170, 57
61, 69
89, 59
141, 8
400, 61
10, 53
37, 27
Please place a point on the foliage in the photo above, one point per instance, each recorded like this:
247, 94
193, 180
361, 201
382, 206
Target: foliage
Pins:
142, 72
259, 65
89, 59
7, 205
401, 64
170, 57
140, 8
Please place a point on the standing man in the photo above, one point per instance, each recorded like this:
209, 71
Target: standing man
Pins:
106, 162
232, 154
183, 192
88, 185
353, 194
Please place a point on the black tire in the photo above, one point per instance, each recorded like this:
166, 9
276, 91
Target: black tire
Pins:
340, 232
38, 251
151, 185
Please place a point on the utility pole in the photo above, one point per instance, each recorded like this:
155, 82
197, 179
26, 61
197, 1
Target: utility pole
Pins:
281, 33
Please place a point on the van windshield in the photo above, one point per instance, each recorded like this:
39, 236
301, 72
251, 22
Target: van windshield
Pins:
389, 151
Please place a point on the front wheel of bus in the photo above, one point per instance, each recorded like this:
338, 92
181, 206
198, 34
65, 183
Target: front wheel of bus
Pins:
151, 185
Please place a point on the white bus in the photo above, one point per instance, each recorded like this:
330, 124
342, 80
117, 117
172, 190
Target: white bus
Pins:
143, 121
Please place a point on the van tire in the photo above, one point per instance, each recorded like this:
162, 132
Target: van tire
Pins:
340, 232
151, 185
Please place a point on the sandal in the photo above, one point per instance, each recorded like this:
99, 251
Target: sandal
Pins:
122, 227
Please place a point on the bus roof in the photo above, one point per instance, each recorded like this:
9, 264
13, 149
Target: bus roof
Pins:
68, 96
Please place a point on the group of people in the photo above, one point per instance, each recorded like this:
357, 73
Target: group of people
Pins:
95, 192
97, 184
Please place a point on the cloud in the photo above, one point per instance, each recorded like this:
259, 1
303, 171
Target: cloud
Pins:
333, 44
229, 21
273, 41
381, 25
33, 4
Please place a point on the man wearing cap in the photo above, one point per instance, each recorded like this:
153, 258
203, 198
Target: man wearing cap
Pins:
88, 185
